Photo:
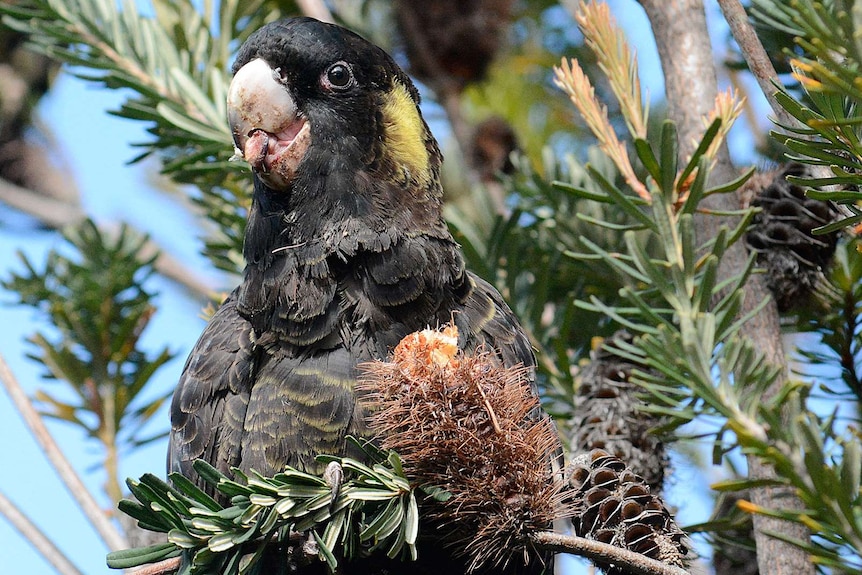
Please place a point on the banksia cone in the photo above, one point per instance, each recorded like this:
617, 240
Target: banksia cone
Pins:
614, 505
794, 258
465, 424
452, 41
607, 417
490, 150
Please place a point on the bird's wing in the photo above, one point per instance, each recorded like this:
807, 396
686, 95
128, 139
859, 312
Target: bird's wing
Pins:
485, 318
300, 407
210, 402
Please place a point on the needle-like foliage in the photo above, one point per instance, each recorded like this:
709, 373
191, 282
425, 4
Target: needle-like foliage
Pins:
826, 62
93, 292
374, 509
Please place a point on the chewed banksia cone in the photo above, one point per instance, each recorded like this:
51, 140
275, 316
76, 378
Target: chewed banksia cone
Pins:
781, 234
465, 424
615, 506
607, 415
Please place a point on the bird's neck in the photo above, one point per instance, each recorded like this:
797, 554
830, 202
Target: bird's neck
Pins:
322, 254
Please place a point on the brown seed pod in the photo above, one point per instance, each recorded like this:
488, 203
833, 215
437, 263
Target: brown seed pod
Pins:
781, 234
614, 505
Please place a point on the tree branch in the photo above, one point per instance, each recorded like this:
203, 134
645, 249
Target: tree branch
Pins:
46, 548
682, 37
56, 214
97, 517
756, 57
165, 567
634, 563
315, 9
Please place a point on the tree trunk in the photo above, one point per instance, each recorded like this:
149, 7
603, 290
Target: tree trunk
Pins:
683, 44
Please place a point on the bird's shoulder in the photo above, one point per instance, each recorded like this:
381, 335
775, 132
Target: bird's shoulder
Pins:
484, 319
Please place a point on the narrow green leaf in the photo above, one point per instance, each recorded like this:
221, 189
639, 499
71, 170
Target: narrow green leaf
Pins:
627, 203
579, 192
644, 151
669, 153
835, 196
411, 520
221, 542
697, 160
382, 522
850, 469
730, 186
128, 558
325, 553
183, 484
838, 225
734, 485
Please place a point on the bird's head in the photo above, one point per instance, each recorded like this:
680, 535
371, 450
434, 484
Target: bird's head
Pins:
312, 102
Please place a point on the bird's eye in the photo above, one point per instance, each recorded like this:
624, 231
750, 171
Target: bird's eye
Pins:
339, 76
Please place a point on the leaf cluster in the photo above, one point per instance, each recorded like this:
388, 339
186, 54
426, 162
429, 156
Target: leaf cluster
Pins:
827, 66
686, 320
172, 65
522, 252
687, 323
374, 509
96, 299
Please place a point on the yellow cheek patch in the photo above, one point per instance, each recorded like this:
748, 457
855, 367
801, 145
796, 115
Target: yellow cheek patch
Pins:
404, 134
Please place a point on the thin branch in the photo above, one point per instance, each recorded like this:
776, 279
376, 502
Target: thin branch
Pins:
51, 212
164, 567
82, 496
315, 9
756, 57
37, 538
57, 214
634, 563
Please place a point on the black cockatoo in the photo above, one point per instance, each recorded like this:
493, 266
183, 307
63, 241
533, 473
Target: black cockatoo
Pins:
346, 250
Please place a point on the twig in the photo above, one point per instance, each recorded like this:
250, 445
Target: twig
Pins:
164, 567
57, 214
315, 9
82, 496
756, 57
634, 563
489, 409
37, 538
51, 212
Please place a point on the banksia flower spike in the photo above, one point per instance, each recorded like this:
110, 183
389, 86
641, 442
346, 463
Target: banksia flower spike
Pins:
466, 425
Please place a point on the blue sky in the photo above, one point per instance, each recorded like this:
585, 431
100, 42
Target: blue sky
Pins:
96, 147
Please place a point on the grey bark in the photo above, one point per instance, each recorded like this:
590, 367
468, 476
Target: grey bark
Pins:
681, 34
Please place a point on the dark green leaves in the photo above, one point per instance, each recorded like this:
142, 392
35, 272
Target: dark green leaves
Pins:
375, 511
